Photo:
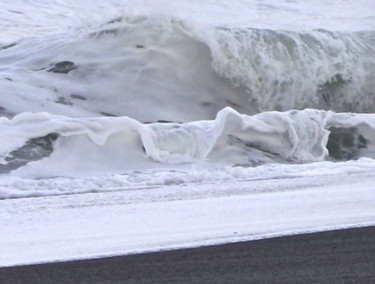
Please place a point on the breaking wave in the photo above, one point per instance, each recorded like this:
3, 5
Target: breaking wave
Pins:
136, 61
143, 93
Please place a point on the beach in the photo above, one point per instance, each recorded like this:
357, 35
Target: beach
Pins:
341, 256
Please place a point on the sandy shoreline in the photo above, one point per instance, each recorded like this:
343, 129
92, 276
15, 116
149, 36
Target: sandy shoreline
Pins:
342, 256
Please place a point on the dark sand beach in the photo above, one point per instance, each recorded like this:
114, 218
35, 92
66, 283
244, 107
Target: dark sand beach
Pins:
342, 256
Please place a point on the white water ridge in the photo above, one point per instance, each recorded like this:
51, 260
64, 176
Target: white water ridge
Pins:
88, 147
297, 136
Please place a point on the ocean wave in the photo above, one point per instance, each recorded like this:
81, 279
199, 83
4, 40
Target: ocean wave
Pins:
163, 65
128, 100
164, 87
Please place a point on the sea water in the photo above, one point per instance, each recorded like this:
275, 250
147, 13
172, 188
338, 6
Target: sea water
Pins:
117, 95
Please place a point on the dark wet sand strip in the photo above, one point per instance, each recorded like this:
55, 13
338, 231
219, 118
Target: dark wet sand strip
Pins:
344, 256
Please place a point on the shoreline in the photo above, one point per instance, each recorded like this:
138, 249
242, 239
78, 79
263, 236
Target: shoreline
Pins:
338, 256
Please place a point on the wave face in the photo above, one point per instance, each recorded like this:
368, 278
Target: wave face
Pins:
141, 61
286, 70
132, 90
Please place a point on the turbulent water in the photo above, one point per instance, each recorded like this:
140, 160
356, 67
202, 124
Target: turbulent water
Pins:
123, 95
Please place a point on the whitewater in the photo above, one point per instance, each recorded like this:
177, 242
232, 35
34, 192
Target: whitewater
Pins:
133, 126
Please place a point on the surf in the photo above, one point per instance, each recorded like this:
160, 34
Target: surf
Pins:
144, 92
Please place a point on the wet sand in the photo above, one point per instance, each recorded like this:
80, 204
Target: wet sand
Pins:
343, 256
